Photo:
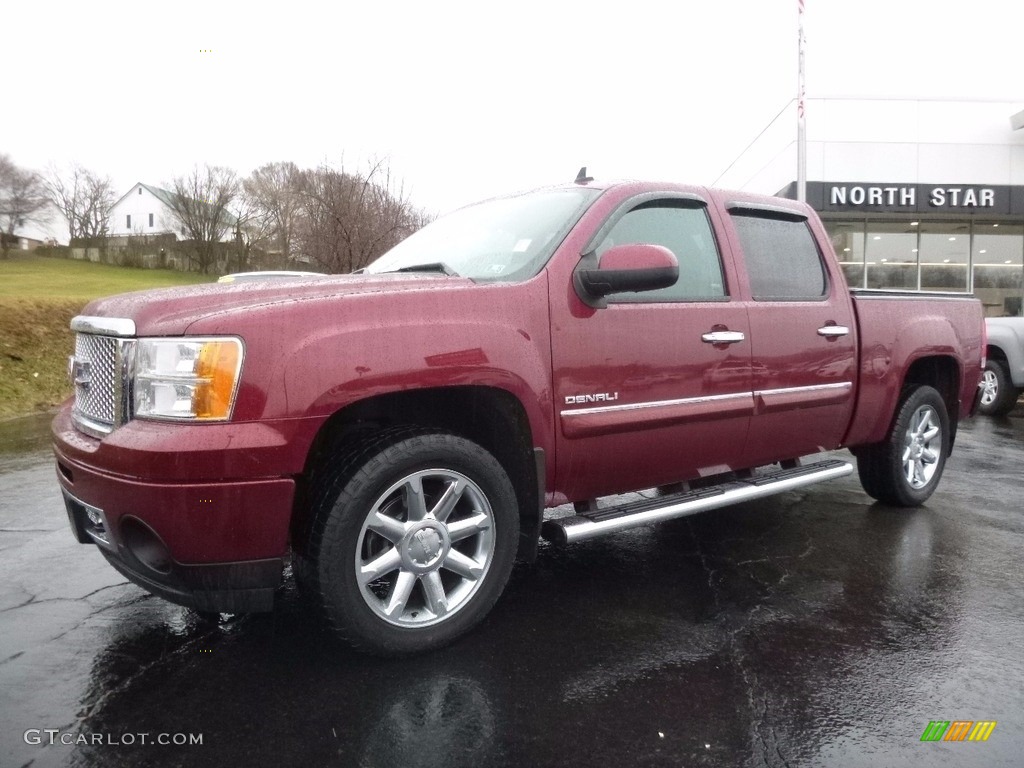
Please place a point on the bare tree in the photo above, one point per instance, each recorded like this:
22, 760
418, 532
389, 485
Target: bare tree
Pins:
272, 194
200, 201
22, 199
351, 219
85, 198
254, 226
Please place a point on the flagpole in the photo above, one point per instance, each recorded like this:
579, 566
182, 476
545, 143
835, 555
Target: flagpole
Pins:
801, 124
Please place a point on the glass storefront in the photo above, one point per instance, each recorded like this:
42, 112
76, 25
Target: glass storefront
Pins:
848, 243
944, 253
998, 262
891, 256
986, 258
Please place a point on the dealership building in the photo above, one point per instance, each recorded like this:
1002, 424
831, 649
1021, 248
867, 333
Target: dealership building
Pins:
916, 195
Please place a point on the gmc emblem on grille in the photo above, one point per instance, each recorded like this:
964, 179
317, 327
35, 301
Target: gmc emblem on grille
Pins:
80, 372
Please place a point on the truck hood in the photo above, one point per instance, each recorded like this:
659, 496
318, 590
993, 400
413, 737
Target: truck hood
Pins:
170, 311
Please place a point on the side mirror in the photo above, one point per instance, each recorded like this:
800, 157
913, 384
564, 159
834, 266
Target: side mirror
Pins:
624, 269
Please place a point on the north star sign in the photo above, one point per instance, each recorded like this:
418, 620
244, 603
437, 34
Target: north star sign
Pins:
906, 197
875, 197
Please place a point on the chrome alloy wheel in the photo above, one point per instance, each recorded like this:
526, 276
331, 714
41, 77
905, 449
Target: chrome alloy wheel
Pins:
425, 548
922, 447
989, 387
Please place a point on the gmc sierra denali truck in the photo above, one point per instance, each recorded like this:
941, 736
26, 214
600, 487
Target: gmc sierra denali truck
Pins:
397, 435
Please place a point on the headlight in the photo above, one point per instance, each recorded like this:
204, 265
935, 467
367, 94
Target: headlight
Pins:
189, 379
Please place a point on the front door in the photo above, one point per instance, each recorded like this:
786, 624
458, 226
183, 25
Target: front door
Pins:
655, 387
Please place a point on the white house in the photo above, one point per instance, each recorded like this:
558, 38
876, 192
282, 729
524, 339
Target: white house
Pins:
144, 210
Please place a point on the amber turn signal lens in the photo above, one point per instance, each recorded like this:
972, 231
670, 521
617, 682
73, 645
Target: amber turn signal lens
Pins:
216, 370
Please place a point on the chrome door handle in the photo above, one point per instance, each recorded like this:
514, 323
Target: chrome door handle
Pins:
722, 337
833, 331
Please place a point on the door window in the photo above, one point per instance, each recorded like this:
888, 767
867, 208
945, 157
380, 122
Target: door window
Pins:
681, 226
781, 256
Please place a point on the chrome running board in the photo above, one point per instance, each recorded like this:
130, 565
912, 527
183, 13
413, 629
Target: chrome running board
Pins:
588, 525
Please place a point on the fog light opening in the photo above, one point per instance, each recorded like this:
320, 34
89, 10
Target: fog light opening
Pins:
145, 545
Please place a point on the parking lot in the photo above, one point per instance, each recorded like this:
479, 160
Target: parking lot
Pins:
812, 628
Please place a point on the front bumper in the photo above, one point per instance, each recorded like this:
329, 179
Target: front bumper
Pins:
240, 587
213, 545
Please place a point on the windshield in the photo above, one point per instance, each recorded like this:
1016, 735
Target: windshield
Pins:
506, 239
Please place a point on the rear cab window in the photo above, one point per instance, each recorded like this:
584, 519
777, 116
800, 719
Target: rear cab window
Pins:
782, 257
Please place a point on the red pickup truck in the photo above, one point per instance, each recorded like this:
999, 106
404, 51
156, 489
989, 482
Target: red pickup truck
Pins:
397, 435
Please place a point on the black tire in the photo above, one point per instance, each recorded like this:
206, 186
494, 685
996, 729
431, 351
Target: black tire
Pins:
304, 572
998, 396
905, 468
413, 540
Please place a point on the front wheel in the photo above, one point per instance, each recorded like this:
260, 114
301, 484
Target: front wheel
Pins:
998, 395
905, 468
415, 544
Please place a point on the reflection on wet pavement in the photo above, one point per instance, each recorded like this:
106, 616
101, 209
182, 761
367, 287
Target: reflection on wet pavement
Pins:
809, 629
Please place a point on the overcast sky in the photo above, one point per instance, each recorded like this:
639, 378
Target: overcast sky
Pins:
468, 99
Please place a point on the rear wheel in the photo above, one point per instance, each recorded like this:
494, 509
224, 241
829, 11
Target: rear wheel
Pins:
414, 542
904, 470
998, 395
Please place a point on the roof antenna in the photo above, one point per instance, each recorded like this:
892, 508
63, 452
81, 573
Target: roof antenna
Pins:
581, 177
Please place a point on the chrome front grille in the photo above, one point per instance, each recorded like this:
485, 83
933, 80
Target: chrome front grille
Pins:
94, 373
103, 352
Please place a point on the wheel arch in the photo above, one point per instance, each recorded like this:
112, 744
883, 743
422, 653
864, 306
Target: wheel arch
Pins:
942, 373
1006, 344
996, 352
491, 417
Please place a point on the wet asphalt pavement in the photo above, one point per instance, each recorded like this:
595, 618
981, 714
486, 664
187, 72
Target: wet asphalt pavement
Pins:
811, 629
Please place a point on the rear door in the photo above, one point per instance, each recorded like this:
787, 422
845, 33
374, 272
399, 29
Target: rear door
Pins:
803, 334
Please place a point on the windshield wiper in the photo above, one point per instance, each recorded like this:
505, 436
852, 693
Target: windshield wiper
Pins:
434, 266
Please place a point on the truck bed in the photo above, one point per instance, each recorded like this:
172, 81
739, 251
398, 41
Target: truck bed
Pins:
898, 327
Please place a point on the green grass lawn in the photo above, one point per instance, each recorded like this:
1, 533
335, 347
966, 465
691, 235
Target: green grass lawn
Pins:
35, 277
38, 298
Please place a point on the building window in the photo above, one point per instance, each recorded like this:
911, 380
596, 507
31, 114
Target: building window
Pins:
997, 253
151, 220
944, 251
985, 258
891, 255
128, 221
140, 190
848, 242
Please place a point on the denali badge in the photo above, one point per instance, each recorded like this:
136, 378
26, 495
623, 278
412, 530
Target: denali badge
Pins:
600, 397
